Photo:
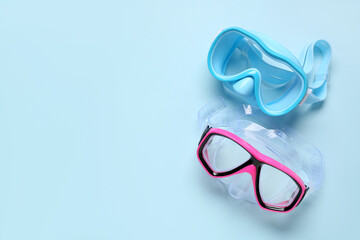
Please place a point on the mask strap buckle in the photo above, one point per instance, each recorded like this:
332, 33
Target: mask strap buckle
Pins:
308, 92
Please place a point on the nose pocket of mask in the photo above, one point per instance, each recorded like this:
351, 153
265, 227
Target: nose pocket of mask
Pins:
240, 186
244, 86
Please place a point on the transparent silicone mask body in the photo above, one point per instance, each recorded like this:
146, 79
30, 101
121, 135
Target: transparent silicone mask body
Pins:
281, 144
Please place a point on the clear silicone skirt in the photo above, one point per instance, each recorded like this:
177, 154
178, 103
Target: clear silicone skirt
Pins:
257, 157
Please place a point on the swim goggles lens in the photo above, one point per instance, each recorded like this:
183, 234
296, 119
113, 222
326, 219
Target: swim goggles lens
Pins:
223, 154
277, 189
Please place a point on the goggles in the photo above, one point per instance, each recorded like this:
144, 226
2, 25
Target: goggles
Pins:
282, 166
264, 73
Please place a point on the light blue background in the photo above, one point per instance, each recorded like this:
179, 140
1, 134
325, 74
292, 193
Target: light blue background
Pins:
98, 104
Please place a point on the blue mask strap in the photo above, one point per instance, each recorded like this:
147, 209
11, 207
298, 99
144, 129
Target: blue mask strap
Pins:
315, 60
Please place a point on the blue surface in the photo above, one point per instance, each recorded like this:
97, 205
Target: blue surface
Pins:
98, 132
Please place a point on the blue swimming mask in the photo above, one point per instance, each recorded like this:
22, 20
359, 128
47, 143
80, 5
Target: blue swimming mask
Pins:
264, 73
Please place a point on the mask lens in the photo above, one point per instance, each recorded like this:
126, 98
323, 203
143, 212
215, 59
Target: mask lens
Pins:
277, 78
223, 154
277, 189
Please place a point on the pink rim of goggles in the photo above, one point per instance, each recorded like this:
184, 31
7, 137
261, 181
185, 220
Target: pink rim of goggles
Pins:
276, 187
252, 166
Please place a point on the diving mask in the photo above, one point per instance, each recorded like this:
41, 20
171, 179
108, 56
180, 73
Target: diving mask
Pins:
264, 73
282, 166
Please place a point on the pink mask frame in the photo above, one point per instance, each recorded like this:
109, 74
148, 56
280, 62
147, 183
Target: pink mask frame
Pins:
253, 167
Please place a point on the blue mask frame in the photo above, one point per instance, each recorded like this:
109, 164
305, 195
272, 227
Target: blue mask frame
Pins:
267, 74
